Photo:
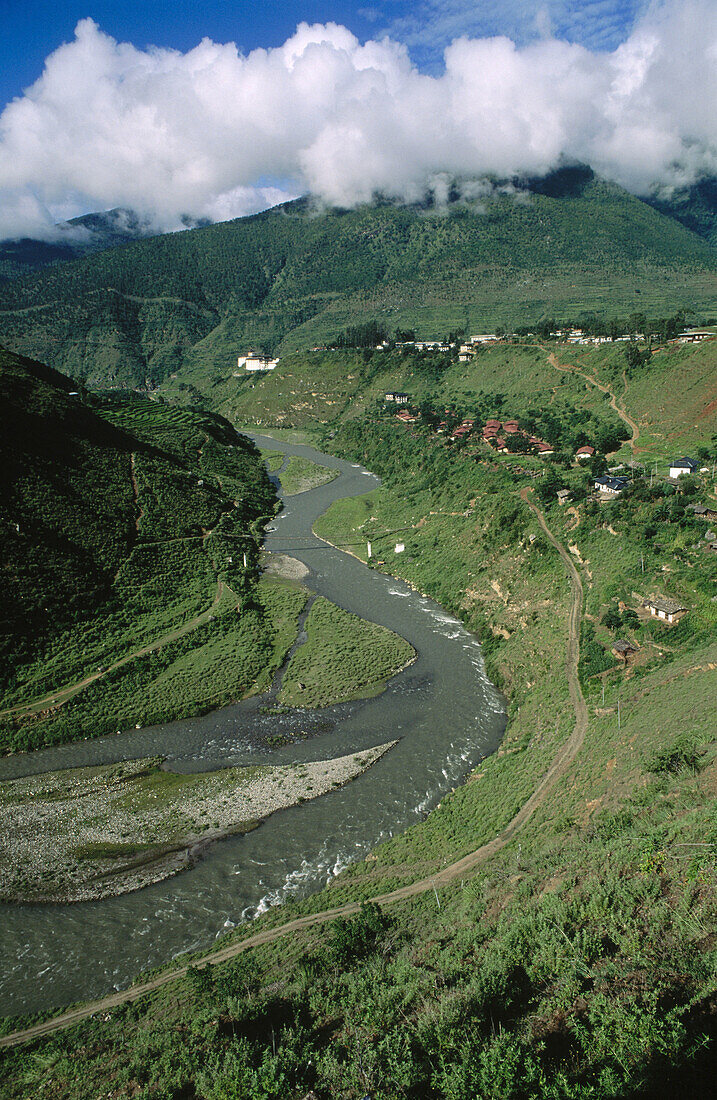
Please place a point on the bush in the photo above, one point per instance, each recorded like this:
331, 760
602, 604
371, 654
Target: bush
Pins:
683, 755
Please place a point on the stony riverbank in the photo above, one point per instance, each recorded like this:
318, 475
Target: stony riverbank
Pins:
90, 833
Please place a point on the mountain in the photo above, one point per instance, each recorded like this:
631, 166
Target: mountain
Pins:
297, 275
694, 207
106, 508
75, 238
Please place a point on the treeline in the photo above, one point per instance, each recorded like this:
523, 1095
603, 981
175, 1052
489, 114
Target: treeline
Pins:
655, 329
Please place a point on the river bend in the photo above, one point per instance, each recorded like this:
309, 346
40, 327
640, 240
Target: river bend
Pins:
444, 710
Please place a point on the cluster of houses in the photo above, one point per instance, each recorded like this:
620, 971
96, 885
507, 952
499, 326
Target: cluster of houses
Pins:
666, 609
496, 435
609, 485
578, 336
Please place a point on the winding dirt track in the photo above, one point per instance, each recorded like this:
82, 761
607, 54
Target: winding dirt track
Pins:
568, 368
449, 874
57, 698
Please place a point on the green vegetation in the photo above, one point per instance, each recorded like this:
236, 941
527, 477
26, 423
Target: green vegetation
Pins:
301, 475
344, 657
130, 547
185, 304
274, 460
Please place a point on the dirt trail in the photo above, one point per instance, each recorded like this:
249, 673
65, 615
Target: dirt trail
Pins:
135, 490
138, 299
568, 368
57, 698
449, 874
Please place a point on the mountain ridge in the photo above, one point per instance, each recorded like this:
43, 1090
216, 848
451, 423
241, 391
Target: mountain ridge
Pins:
296, 275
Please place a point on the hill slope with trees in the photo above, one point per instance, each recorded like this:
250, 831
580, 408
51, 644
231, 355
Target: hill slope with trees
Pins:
296, 276
123, 522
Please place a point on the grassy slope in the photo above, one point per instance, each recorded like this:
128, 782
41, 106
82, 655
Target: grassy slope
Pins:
673, 401
580, 961
131, 518
318, 388
188, 303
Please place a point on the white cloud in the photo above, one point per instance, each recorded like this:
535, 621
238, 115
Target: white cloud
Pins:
212, 133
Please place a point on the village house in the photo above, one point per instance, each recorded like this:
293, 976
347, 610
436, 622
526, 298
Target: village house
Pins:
484, 338
661, 607
683, 467
610, 486
563, 496
397, 398
432, 345
695, 336
623, 649
703, 511
584, 453
407, 417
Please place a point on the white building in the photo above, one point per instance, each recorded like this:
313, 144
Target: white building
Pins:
683, 467
253, 362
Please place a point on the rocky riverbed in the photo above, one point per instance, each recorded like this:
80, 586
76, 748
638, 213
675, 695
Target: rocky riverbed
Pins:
89, 833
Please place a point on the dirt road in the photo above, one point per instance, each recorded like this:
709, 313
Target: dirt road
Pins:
449, 874
57, 698
568, 368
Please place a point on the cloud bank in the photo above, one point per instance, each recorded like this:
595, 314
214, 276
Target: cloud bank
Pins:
214, 134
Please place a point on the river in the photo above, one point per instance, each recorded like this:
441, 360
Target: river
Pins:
444, 710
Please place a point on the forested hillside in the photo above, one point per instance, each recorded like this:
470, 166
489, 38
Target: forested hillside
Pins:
77, 237
295, 276
124, 524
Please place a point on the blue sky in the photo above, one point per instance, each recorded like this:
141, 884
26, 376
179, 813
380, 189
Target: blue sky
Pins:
337, 108
31, 29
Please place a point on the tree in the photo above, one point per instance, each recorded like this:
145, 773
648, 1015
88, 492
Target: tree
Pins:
548, 486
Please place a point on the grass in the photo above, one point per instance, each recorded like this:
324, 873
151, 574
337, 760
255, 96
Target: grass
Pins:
344, 522
344, 657
274, 460
301, 475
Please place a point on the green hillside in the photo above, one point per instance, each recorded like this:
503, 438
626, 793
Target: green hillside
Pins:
124, 524
295, 276
694, 207
75, 238
547, 931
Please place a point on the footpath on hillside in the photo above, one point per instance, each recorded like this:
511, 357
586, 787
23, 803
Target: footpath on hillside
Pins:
61, 695
446, 875
570, 368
